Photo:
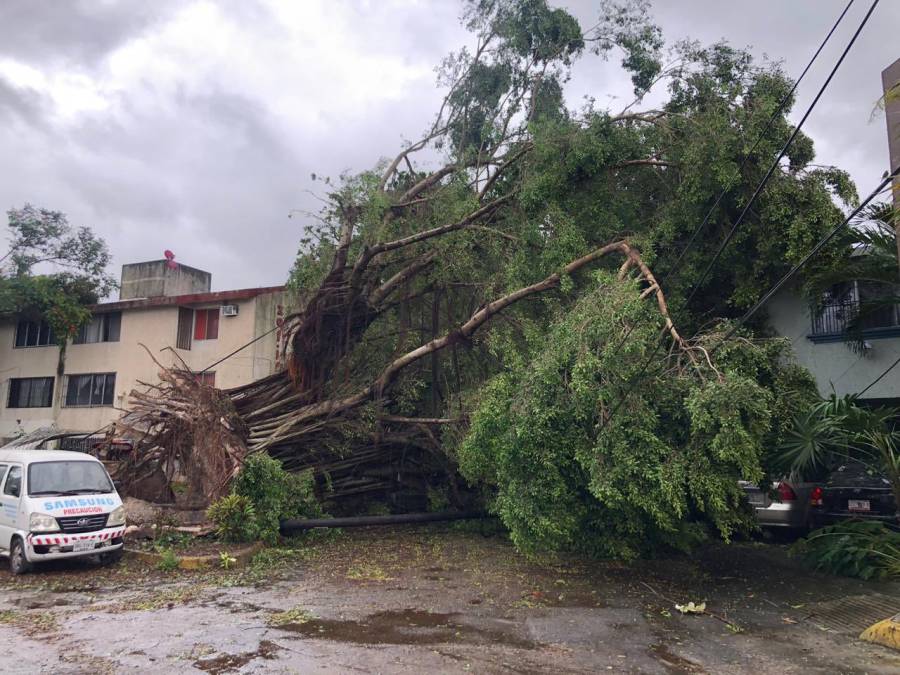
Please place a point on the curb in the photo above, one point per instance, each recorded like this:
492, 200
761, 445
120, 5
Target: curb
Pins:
886, 633
242, 557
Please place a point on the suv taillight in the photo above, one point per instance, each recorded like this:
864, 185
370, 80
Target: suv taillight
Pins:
815, 496
786, 492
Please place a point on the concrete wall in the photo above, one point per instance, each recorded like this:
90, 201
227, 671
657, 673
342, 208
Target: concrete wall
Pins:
155, 327
834, 364
153, 279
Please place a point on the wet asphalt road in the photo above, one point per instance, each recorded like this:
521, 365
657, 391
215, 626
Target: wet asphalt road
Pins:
442, 599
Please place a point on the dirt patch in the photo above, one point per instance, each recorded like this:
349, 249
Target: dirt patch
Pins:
229, 663
672, 662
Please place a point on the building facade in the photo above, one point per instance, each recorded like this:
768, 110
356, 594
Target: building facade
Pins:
820, 344
163, 308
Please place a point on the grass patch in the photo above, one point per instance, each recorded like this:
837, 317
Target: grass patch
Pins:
31, 622
367, 572
161, 599
292, 616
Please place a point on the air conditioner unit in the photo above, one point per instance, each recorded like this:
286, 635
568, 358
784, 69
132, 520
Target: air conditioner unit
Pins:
229, 310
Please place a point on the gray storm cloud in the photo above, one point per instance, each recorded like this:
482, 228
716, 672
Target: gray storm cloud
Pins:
195, 126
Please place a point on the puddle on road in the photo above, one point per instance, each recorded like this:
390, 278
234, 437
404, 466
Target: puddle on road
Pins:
226, 663
404, 627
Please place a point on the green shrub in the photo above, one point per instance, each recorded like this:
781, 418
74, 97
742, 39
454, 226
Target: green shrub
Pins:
274, 494
234, 517
867, 550
168, 562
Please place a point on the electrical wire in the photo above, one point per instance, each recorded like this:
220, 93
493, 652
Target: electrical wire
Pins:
632, 381
777, 162
787, 277
815, 249
880, 377
672, 273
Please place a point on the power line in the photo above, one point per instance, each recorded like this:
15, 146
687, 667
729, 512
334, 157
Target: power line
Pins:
815, 249
787, 277
880, 377
643, 369
676, 266
781, 154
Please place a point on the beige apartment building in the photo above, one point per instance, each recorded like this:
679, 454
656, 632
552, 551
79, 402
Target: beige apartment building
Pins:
166, 307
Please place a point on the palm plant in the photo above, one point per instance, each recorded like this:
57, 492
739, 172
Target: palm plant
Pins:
837, 430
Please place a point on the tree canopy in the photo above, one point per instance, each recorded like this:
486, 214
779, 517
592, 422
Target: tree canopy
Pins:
51, 270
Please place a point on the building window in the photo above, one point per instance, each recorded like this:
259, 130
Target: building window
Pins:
34, 334
94, 389
206, 324
101, 328
185, 325
867, 306
30, 392
209, 379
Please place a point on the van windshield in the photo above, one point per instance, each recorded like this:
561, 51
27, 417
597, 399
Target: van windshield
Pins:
67, 478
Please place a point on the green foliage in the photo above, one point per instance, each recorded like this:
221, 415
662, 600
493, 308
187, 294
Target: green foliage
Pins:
42, 240
562, 475
863, 549
274, 494
234, 517
168, 561
837, 430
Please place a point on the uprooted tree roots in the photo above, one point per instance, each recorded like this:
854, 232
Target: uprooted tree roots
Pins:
187, 426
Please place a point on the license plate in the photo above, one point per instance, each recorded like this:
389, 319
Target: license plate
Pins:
757, 498
858, 505
83, 546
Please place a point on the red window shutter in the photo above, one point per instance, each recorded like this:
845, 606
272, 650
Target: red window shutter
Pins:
212, 324
200, 324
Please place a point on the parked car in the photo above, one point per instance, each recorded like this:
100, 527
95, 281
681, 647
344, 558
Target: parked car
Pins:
853, 491
790, 507
57, 504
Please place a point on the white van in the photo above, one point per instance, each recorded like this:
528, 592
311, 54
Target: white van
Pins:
57, 504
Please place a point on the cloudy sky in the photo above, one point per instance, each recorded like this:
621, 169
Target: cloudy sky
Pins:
195, 126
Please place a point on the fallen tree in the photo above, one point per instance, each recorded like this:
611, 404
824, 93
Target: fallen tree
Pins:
207, 433
509, 214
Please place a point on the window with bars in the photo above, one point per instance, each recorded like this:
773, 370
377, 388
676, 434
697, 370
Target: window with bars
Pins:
206, 324
90, 390
34, 334
101, 328
869, 306
185, 326
30, 392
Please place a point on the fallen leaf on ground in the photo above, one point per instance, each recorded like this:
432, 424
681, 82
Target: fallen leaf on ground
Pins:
691, 608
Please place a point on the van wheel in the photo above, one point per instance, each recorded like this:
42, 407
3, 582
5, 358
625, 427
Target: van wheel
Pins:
112, 557
18, 563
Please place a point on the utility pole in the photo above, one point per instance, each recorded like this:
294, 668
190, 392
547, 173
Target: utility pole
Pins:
890, 80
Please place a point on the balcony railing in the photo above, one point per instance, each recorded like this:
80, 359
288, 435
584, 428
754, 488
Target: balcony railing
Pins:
835, 317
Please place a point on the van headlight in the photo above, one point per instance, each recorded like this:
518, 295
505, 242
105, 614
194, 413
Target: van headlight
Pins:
41, 522
117, 517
